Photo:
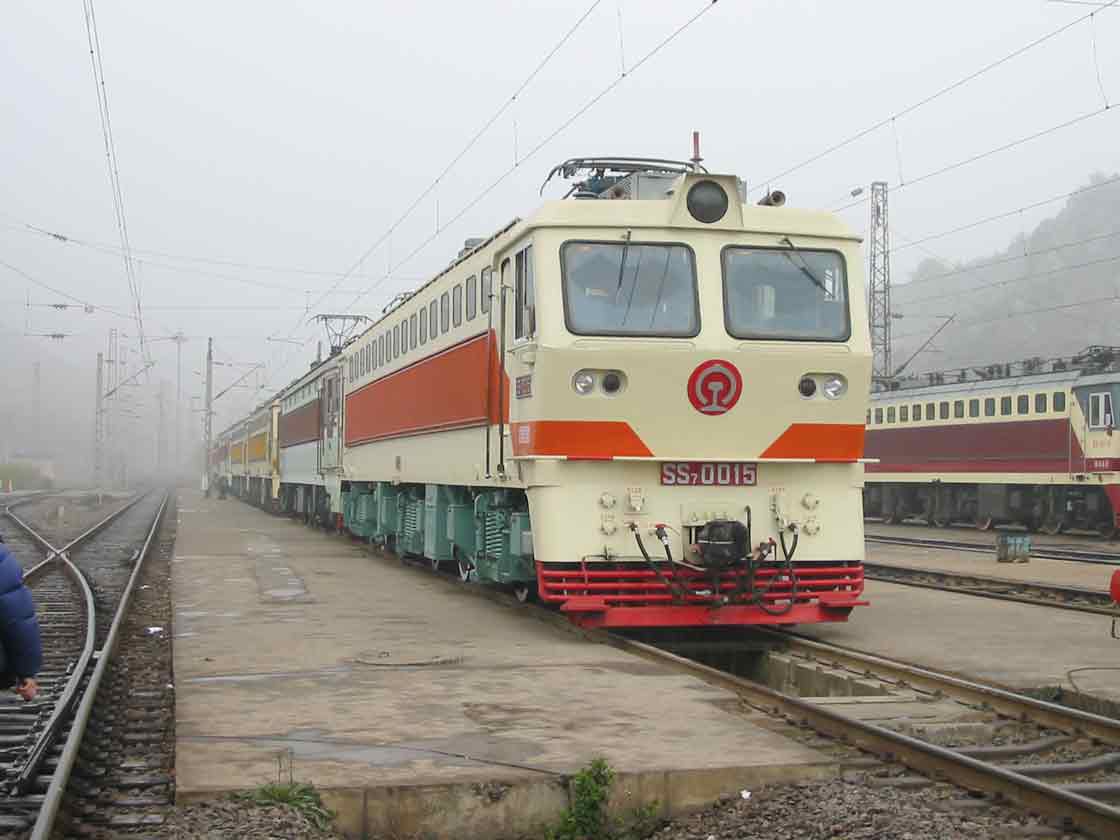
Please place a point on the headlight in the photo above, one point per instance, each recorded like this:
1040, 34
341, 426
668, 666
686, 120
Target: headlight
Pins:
583, 382
707, 202
834, 387
612, 382
807, 386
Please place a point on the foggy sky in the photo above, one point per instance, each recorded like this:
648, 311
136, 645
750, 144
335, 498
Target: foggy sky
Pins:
292, 137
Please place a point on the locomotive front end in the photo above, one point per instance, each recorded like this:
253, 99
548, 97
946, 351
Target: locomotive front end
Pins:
689, 379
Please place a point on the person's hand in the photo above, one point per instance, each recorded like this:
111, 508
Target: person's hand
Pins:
27, 688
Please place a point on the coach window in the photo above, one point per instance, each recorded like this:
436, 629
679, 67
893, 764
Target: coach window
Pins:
396, 341
878, 417
487, 289
916, 410
413, 329
433, 319
943, 410
457, 305
381, 360
890, 414
989, 406
423, 326
931, 411
974, 408
958, 408
472, 297
525, 302
903, 413
1005, 405
1039, 403
1059, 401
1023, 404
444, 312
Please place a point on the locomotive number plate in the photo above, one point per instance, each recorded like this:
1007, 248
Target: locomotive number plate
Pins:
709, 474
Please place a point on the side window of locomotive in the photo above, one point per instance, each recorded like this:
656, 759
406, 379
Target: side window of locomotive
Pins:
444, 312
615, 288
413, 328
433, 319
396, 341
785, 293
916, 410
1039, 403
930, 411
423, 326
1022, 404
903, 413
525, 306
381, 350
943, 410
958, 408
487, 289
1059, 401
890, 414
472, 297
1004, 405
868, 417
974, 408
457, 305
989, 406
1100, 410
878, 417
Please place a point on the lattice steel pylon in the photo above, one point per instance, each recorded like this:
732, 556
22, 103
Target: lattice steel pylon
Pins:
879, 287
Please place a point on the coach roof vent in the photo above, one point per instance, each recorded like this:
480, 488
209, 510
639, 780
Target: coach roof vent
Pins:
470, 244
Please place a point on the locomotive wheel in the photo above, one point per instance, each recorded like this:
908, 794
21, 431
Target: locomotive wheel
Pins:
984, 523
890, 518
435, 564
466, 567
1107, 530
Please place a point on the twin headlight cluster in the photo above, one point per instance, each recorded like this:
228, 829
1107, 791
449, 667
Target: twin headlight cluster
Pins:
609, 382
832, 385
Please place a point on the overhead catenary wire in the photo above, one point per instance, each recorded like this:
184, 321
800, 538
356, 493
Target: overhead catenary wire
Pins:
926, 100
35, 281
1010, 316
102, 93
590, 103
1004, 215
982, 155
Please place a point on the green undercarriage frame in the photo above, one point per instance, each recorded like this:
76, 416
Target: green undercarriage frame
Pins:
485, 532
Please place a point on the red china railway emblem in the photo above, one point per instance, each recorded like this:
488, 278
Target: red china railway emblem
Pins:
715, 387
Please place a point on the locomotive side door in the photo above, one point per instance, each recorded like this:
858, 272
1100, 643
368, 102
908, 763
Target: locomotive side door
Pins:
330, 422
519, 328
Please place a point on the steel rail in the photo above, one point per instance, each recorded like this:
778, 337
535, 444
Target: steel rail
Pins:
1000, 700
1089, 815
52, 799
969, 584
1042, 552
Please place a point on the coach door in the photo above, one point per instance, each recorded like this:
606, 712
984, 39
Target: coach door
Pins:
330, 419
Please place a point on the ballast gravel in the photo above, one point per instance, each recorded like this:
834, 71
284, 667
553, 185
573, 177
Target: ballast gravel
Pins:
858, 807
227, 818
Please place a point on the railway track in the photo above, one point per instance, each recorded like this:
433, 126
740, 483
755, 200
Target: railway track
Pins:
1076, 598
1043, 552
82, 592
1042, 757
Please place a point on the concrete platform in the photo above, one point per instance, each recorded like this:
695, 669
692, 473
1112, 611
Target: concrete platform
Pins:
1036, 570
1017, 645
417, 706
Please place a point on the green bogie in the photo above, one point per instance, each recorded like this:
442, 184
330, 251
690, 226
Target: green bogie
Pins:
486, 533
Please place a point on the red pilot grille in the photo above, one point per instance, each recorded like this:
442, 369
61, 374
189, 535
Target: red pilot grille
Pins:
637, 585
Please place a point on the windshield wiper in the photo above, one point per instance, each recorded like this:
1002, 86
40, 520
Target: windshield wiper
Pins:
622, 262
802, 266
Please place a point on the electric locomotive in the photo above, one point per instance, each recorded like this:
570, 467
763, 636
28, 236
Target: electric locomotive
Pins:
643, 404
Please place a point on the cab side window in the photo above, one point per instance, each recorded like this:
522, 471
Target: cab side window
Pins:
1100, 410
525, 307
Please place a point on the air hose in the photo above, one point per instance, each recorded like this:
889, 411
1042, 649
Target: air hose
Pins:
678, 594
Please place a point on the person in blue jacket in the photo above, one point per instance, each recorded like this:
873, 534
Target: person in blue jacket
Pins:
19, 629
